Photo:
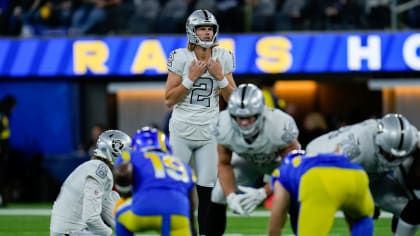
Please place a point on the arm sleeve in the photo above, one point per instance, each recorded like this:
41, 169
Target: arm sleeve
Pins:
228, 62
108, 208
176, 62
92, 207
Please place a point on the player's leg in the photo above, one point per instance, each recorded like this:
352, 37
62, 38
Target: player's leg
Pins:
409, 176
391, 195
216, 222
120, 223
180, 148
318, 206
360, 208
409, 220
206, 170
179, 226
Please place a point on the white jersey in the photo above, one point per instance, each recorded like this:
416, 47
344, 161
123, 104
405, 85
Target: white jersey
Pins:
358, 143
278, 132
193, 115
79, 205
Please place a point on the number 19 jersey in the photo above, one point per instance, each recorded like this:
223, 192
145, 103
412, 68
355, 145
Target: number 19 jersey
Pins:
161, 183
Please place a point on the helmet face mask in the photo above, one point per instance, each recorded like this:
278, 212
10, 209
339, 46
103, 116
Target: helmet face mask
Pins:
395, 137
201, 18
111, 144
247, 102
149, 139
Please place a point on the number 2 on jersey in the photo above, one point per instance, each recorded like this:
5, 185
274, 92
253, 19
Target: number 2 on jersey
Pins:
200, 95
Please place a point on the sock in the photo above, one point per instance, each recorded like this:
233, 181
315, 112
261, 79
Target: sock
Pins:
216, 222
204, 196
363, 227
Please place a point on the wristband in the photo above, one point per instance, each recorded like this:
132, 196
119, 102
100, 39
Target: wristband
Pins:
223, 83
188, 84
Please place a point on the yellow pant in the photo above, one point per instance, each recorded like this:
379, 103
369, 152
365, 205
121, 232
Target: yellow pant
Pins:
323, 191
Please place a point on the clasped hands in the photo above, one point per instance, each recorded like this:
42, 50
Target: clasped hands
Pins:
213, 66
246, 202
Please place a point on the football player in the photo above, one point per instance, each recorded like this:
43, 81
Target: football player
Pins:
321, 185
251, 138
197, 75
157, 186
84, 205
386, 148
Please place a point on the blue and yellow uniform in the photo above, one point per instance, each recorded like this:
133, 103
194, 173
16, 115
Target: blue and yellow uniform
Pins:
321, 185
160, 200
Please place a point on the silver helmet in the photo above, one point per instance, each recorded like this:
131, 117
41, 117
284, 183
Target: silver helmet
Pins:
245, 101
111, 144
201, 18
396, 136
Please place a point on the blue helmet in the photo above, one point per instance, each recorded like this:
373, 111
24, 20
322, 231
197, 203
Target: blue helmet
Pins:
292, 154
147, 139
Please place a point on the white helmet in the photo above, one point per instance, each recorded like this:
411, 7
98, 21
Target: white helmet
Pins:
396, 135
111, 144
245, 101
201, 18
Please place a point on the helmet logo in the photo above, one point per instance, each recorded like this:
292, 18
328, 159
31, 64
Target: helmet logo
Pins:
117, 146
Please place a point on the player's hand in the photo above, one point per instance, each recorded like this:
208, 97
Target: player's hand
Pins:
251, 198
196, 69
214, 67
234, 203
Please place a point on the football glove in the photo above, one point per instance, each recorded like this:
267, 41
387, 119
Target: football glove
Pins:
234, 203
251, 198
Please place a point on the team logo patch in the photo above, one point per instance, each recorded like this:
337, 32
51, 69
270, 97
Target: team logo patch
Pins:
102, 171
171, 59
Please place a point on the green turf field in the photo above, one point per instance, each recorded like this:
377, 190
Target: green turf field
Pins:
33, 220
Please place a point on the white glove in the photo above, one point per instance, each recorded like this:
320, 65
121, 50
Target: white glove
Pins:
251, 198
234, 203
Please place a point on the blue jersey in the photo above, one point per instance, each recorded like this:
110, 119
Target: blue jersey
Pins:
161, 183
289, 174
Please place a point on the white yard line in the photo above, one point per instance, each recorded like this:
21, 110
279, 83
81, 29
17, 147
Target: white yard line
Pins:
46, 212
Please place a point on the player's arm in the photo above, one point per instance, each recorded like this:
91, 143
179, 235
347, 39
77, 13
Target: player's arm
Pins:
123, 175
226, 177
174, 90
226, 91
279, 209
108, 208
227, 180
294, 145
92, 207
225, 81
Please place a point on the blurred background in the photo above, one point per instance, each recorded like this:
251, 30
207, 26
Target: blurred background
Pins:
76, 67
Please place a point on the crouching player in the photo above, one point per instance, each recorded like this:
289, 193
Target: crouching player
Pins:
157, 187
321, 185
84, 205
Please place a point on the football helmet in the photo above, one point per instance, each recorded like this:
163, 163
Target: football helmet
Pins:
292, 154
245, 101
201, 18
396, 136
111, 143
147, 139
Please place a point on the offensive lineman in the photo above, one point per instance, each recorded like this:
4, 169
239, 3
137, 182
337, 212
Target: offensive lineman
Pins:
86, 200
252, 139
386, 149
197, 75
